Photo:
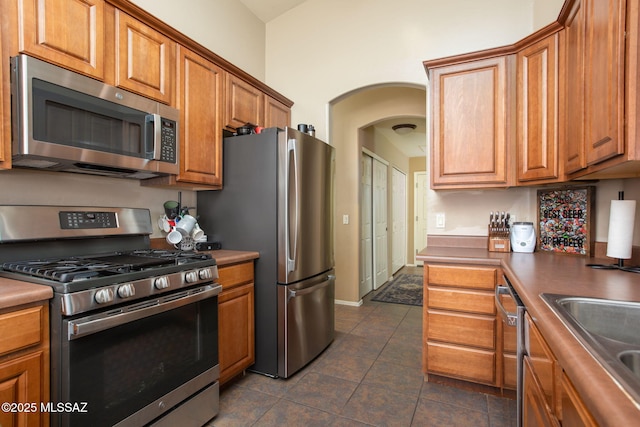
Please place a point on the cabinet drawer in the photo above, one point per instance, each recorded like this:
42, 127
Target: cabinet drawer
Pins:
20, 329
236, 274
460, 362
461, 300
466, 329
510, 375
462, 277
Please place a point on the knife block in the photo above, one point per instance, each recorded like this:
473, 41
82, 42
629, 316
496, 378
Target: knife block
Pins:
499, 239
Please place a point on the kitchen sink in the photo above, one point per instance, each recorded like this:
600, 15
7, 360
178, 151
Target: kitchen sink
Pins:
609, 330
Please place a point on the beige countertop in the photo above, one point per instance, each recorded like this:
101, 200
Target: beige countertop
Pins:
14, 293
533, 274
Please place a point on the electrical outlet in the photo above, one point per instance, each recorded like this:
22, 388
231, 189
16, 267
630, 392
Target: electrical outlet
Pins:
345, 219
440, 220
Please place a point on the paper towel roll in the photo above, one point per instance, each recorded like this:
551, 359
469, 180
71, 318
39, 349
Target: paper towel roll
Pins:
621, 221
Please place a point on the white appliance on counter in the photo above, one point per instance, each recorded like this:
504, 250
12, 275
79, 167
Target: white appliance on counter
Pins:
278, 200
523, 237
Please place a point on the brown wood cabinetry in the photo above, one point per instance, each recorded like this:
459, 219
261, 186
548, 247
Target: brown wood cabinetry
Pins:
200, 100
537, 110
145, 59
24, 363
459, 323
470, 121
236, 329
549, 397
276, 114
540, 406
247, 104
574, 413
595, 77
68, 33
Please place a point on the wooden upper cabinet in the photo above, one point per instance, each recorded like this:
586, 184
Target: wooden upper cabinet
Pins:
604, 79
68, 33
572, 74
537, 111
145, 59
245, 104
201, 99
470, 123
276, 114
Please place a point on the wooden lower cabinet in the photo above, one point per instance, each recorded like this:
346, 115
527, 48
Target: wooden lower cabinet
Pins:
236, 327
536, 412
549, 396
24, 364
460, 324
574, 412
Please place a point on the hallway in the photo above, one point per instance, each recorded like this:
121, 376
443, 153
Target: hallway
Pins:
370, 375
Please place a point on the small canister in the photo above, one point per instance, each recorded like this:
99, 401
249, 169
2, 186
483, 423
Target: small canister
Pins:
311, 130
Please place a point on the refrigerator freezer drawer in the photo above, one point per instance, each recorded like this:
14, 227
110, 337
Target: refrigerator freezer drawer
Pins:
305, 320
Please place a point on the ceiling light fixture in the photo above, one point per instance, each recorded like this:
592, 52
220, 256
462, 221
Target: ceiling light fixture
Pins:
403, 128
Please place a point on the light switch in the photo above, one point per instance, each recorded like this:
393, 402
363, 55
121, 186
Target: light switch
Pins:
345, 219
440, 220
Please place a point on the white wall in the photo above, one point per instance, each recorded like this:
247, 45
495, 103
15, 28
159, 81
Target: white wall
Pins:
226, 27
323, 49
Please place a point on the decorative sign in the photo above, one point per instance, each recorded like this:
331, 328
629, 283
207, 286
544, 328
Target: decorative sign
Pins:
565, 220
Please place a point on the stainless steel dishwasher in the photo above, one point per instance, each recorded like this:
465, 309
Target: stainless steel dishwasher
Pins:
514, 320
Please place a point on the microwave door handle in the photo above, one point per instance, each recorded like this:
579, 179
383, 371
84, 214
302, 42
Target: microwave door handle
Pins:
152, 135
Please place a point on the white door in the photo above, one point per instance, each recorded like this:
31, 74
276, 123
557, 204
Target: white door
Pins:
398, 220
366, 226
380, 240
420, 208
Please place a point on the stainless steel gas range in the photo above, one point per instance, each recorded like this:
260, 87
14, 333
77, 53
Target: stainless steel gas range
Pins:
134, 331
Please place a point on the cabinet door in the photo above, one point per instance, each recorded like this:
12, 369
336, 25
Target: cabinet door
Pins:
470, 103
200, 103
604, 79
21, 381
536, 412
68, 33
537, 110
574, 413
145, 59
276, 114
573, 95
245, 103
236, 331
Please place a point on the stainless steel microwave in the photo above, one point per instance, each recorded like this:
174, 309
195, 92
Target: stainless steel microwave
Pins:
65, 121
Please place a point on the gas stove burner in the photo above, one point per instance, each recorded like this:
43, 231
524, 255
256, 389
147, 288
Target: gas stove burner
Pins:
73, 269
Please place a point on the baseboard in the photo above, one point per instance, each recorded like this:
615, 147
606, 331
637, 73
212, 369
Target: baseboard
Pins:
349, 303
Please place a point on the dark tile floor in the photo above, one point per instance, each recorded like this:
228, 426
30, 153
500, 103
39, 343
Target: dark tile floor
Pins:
369, 376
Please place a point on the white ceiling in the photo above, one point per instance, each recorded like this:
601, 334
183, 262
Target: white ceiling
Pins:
413, 144
266, 10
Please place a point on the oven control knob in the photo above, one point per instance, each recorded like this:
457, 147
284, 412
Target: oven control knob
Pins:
126, 291
104, 296
161, 282
191, 276
205, 274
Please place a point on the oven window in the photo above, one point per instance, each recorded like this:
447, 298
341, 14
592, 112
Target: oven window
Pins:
123, 369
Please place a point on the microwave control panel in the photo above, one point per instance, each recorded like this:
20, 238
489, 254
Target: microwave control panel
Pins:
168, 141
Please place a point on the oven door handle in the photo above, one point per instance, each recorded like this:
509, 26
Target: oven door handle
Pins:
79, 328
511, 319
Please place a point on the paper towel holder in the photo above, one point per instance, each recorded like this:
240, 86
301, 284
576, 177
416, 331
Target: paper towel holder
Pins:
621, 245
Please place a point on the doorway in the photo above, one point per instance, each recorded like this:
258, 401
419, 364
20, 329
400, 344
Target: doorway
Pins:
374, 240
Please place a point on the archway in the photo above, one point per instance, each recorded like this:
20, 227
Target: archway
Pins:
349, 116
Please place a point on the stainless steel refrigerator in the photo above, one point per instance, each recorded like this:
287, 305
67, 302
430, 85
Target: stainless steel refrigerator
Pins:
277, 199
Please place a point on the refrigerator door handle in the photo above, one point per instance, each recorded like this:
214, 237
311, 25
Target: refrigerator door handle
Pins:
326, 282
292, 246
